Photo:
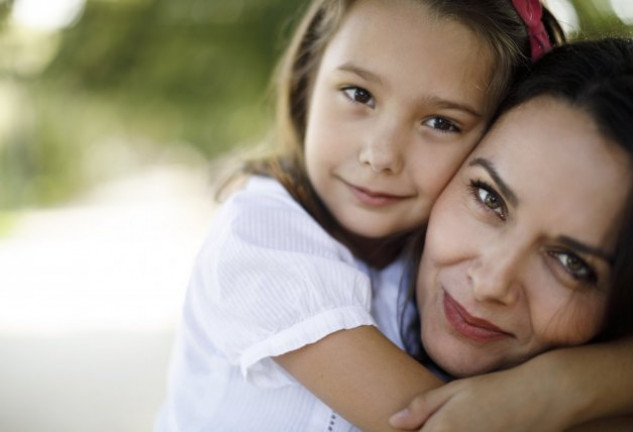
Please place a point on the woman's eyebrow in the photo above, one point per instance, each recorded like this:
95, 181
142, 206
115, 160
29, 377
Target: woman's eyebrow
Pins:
584, 248
503, 186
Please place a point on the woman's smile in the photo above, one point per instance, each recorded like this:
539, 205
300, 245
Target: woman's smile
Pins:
469, 326
531, 254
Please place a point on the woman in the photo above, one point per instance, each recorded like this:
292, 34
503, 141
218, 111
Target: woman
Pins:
381, 117
528, 249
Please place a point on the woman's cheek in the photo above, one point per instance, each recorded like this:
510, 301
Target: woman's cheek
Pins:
564, 317
450, 229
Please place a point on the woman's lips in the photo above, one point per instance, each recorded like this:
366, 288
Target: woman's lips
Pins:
469, 326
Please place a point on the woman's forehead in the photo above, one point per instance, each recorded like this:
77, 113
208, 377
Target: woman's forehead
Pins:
560, 166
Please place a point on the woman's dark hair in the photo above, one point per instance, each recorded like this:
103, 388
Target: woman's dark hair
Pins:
596, 77
495, 22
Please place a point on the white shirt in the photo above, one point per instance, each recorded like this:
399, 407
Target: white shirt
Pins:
268, 280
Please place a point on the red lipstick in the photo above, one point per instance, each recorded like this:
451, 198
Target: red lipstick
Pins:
469, 326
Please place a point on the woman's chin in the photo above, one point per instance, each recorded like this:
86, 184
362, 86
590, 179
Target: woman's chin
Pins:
460, 365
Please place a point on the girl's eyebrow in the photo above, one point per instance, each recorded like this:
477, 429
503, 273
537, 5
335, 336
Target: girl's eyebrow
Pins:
492, 171
363, 73
584, 248
372, 77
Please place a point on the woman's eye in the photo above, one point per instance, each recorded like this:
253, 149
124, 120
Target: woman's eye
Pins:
359, 95
575, 266
442, 124
485, 195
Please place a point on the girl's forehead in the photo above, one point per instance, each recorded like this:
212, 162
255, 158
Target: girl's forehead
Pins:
404, 45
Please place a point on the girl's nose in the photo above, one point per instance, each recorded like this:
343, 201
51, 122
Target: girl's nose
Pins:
494, 276
383, 151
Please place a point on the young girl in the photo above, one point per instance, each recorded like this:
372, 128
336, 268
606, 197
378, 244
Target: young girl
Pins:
530, 245
380, 103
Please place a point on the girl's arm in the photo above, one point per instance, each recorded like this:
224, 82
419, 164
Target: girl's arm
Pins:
602, 376
365, 378
587, 385
360, 374
611, 424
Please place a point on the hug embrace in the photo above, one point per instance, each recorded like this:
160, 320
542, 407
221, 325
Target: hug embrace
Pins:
442, 241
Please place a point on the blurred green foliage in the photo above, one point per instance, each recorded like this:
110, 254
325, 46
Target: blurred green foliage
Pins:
596, 18
131, 80
5, 7
134, 82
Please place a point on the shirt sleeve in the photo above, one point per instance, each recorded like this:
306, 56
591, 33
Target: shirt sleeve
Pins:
270, 280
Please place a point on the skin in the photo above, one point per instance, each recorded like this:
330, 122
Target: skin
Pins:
358, 372
574, 393
523, 238
365, 374
383, 137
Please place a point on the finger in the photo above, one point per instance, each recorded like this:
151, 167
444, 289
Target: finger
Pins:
421, 408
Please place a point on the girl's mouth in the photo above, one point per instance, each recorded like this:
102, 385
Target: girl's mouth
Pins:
372, 198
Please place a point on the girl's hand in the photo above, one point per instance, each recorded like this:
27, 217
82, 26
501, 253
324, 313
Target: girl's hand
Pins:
515, 399
586, 388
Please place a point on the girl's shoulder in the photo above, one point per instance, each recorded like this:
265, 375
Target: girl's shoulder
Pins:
263, 192
263, 212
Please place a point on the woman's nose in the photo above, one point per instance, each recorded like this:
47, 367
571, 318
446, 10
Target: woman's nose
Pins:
383, 149
494, 275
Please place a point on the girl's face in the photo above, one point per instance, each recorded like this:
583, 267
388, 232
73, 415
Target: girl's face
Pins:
398, 102
519, 245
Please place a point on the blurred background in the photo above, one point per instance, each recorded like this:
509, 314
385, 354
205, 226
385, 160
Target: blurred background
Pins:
115, 118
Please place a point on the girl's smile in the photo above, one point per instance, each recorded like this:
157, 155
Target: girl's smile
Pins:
383, 137
375, 198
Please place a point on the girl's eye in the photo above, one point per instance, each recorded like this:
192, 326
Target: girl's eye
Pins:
575, 266
442, 124
359, 95
485, 195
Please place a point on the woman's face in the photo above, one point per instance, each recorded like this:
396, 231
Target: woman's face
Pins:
519, 245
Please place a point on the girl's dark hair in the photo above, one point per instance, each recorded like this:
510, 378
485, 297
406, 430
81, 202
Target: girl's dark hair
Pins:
496, 22
596, 77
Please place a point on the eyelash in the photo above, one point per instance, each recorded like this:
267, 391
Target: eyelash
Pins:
563, 258
442, 124
352, 92
589, 277
448, 126
478, 185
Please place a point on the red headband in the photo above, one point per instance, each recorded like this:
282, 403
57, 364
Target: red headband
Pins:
531, 13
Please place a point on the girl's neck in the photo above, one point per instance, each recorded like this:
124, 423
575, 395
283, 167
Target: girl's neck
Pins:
289, 171
377, 253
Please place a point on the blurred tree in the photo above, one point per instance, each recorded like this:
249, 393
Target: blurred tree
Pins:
5, 8
204, 65
152, 74
596, 18
133, 79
